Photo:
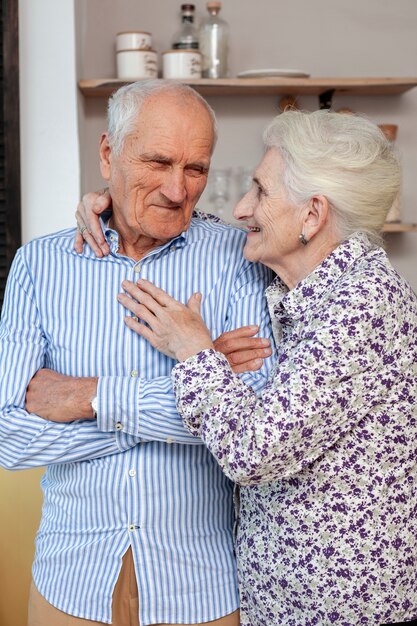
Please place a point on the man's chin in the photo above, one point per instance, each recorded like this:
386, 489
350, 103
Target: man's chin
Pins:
166, 229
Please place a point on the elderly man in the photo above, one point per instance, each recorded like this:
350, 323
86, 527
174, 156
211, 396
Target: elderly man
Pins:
137, 524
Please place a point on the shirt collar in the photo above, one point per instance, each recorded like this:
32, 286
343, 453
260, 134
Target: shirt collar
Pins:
112, 238
291, 304
186, 237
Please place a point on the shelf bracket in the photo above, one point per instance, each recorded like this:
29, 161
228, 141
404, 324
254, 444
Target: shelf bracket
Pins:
325, 99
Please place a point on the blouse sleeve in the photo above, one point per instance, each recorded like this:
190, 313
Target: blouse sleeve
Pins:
321, 387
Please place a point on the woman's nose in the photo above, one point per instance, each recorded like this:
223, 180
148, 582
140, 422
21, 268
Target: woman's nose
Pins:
244, 209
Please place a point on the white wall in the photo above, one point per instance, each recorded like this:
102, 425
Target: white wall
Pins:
48, 115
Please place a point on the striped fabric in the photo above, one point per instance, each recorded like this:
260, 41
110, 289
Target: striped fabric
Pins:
134, 477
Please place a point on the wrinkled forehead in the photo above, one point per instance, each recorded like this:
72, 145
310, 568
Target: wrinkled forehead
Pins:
171, 113
173, 125
271, 167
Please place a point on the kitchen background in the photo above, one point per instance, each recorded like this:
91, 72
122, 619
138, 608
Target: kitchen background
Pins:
63, 42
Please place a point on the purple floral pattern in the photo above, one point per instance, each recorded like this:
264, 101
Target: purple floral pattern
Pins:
326, 457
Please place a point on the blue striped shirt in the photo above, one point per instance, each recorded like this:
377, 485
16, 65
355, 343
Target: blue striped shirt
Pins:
135, 477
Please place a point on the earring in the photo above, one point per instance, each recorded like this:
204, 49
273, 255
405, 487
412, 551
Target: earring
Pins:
303, 240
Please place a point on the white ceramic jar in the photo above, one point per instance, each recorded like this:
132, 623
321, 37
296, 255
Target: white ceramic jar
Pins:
390, 133
181, 64
136, 64
134, 40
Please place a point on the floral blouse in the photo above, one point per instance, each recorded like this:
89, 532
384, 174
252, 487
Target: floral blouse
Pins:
326, 457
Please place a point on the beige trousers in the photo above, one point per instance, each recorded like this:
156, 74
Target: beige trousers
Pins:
125, 605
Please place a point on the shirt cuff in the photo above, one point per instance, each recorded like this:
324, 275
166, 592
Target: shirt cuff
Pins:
118, 408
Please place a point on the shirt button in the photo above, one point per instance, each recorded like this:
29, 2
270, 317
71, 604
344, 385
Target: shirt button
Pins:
137, 269
134, 373
132, 528
169, 440
132, 472
119, 425
112, 238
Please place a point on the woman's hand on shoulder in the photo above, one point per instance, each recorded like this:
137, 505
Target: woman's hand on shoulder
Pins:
89, 231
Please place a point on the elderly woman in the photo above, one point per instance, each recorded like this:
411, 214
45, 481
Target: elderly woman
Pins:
326, 457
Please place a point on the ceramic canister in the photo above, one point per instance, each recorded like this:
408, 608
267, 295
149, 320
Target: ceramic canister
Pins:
181, 64
134, 40
136, 64
394, 214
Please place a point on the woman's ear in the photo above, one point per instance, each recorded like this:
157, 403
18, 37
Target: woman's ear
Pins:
105, 160
315, 216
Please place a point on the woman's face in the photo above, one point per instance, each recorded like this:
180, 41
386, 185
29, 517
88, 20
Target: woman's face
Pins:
274, 223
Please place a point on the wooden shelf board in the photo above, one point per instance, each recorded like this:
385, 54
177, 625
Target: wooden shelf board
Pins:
103, 87
399, 227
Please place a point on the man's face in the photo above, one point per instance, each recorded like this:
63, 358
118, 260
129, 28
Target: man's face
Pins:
162, 169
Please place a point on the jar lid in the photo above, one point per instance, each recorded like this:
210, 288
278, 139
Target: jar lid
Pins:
136, 50
180, 50
134, 32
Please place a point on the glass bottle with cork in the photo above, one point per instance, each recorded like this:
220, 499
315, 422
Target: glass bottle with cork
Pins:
187, 37
214, 43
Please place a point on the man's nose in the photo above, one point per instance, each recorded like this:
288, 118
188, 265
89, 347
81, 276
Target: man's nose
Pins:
173, 186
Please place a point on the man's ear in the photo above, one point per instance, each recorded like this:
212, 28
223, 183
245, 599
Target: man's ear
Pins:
315, 216
105, 157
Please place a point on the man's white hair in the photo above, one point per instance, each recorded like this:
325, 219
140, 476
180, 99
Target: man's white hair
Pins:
125, 105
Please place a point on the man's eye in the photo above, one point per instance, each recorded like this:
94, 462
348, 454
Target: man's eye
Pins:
196, 170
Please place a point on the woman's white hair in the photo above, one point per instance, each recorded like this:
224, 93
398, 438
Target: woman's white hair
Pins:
125, 105
343, 157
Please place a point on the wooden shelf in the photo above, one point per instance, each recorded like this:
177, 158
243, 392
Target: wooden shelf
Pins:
103, 87
399, 227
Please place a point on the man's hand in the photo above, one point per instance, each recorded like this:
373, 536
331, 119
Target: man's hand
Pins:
60, 398
244, 352
89, 231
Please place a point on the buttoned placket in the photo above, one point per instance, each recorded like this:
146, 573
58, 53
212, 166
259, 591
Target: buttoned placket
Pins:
132, 474
132, 486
